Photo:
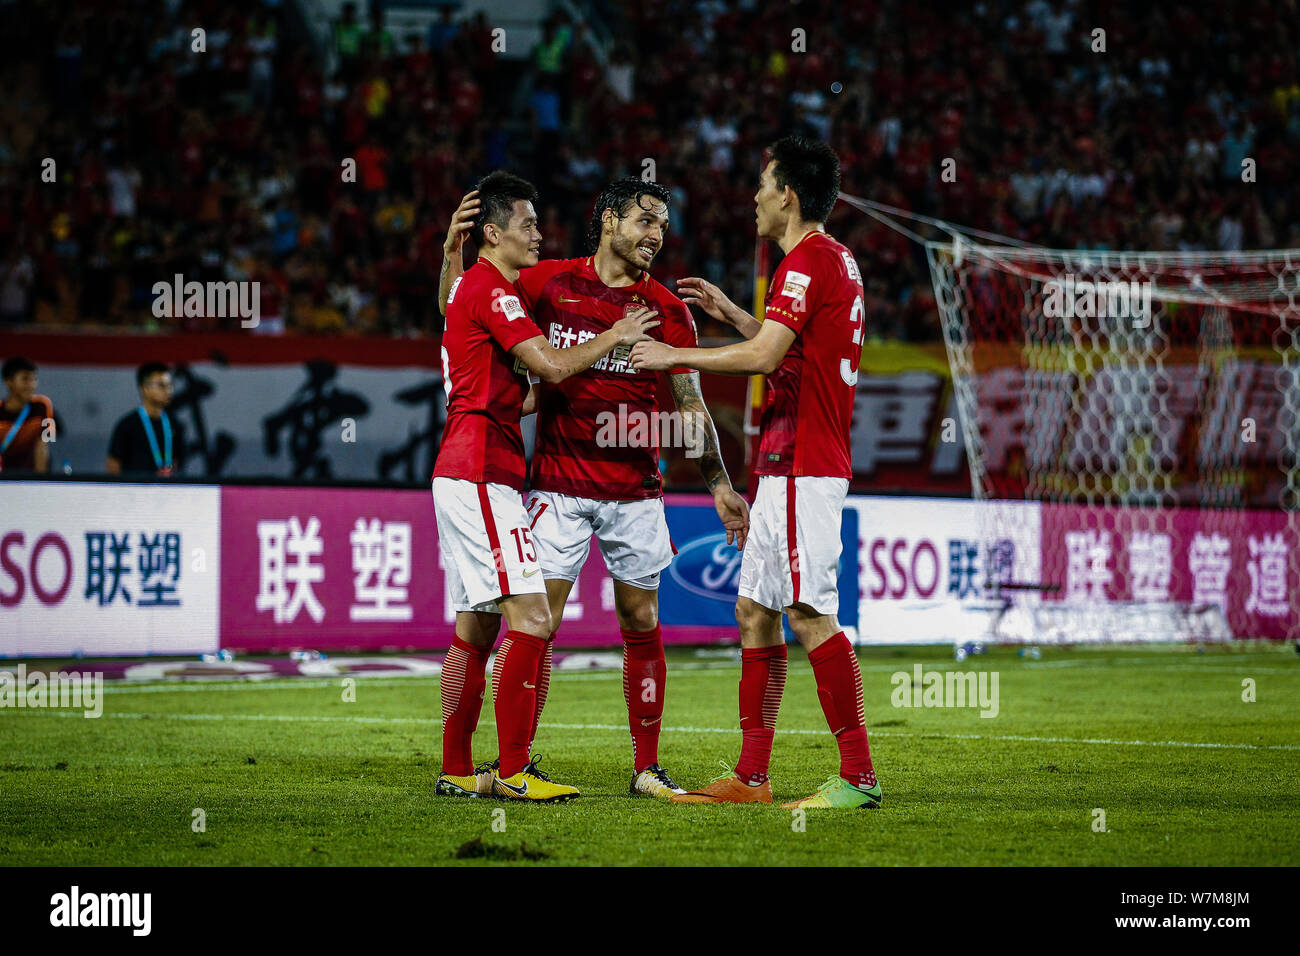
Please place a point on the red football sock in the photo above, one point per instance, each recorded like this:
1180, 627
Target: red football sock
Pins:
839, 688
644, 674
762, 682
462, 686
514, 689
543, 683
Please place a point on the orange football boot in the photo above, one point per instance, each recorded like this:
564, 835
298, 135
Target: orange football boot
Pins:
727, 790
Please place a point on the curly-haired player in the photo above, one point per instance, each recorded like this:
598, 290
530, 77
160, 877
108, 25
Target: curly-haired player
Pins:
589, 476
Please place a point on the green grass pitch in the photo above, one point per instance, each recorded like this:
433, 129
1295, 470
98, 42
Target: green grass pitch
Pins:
288, 773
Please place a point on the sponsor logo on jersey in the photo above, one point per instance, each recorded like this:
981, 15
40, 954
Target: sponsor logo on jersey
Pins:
562, 337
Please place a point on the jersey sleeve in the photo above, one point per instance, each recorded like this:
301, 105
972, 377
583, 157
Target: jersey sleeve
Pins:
531, 281
796, 288
506, 320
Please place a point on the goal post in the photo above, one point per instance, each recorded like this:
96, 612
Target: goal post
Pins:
1148, 405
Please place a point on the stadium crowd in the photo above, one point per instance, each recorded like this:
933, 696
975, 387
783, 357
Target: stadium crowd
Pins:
227, 163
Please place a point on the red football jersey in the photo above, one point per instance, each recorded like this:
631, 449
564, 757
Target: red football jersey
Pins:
597, 434
485, 384
817, 292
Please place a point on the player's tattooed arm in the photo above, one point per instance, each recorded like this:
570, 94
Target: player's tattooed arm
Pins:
701, 440
701, 292
698, 432
453, 260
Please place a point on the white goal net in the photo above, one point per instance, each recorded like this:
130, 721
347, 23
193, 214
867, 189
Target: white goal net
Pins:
1149, 403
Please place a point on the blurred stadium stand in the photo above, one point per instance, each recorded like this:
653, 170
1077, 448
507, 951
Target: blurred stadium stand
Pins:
226, 164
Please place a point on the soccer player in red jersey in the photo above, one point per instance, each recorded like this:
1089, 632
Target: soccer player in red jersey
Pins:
809, 346
595, 468
489, 347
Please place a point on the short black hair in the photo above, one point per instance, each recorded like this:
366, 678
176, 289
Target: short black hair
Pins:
812, 170
619, 196
16, 364
148, 368
497, 194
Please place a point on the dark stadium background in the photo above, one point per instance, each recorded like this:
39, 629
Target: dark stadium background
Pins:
226, 164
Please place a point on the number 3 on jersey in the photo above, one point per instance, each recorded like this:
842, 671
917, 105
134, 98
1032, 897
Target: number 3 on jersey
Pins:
849, 366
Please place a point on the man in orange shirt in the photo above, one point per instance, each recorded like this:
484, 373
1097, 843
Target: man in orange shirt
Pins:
22, 419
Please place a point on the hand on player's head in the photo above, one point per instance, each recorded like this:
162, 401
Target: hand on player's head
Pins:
632, 327
462, 221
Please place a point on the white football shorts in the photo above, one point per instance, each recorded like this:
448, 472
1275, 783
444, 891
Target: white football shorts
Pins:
792, 555
486, 544
632, 536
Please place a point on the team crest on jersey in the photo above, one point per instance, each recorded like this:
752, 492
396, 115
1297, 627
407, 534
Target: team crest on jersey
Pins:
796, 284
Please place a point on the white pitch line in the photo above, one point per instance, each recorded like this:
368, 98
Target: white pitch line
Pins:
302, 683
306, 683
688, 668
1019, 738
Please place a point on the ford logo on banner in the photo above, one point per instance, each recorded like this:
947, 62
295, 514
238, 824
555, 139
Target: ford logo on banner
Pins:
699, 588
709, 568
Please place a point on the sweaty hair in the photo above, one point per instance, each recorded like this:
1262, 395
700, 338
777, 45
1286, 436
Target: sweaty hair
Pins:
619, 196
148, 368
15, 365
812, 170
497, 194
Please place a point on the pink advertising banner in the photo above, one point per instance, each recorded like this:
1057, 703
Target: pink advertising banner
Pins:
360, 569
1239, 560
